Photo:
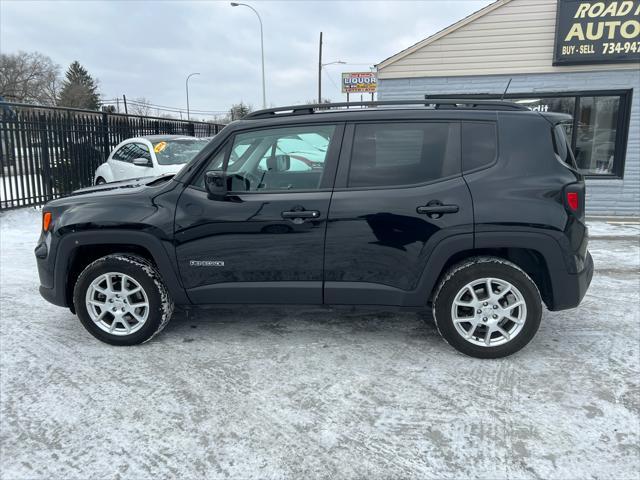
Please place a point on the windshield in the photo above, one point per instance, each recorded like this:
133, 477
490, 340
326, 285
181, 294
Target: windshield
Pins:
172, 152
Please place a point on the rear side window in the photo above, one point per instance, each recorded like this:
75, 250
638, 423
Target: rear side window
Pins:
391, 154
479, 145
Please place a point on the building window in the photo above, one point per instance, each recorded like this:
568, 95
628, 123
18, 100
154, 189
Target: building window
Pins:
598, 133
597, 128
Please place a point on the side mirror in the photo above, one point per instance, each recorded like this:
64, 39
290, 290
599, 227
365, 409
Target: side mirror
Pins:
279, 163
142, 162
215, 182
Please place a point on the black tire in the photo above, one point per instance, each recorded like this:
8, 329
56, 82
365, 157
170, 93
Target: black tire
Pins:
142, 271
478, 268
100, 181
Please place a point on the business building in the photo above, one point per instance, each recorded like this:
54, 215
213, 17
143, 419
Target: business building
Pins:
577, 57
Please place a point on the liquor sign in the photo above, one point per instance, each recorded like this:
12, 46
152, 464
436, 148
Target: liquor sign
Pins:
359, 82
597, 32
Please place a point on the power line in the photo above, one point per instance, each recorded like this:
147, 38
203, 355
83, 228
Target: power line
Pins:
331, 80
165, 108
133, 100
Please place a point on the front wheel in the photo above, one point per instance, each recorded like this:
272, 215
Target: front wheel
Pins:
100, 181
122, 300
487, 307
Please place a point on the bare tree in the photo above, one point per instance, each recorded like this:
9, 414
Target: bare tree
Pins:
29, 77
140, 106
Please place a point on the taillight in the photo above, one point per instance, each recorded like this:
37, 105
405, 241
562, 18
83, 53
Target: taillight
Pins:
46, 221
573, 201
574, 197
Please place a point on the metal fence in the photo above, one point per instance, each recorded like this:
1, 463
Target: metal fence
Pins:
48, 152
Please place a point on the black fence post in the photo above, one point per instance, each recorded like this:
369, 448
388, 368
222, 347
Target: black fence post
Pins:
192, 129
47, 178
105, 135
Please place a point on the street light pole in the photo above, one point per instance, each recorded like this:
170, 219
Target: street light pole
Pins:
187, 88
264, 93
320, 70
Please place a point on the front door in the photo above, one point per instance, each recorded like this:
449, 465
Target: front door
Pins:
398, 194
264, 243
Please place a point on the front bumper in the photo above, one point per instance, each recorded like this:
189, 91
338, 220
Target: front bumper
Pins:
53, 296
46, 260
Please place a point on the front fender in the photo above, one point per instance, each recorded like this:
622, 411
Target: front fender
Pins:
61, 260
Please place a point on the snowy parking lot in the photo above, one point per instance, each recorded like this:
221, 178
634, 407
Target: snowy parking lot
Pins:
318, 393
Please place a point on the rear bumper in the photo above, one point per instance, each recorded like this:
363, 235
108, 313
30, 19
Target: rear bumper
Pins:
569, 289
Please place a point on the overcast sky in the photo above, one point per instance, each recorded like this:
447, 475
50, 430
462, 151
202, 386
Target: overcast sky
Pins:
147, 48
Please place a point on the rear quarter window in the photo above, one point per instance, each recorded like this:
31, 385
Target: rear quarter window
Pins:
561, 146
479, 145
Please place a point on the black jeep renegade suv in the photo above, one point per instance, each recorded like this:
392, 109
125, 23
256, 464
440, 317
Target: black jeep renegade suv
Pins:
471, 208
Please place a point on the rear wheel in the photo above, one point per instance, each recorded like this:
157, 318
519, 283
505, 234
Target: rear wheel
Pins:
487, 307
100, 181
121, 299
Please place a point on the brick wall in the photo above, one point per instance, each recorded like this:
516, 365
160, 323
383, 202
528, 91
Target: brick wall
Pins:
619, 197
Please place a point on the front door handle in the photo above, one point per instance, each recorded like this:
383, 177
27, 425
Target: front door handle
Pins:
292, 214
435, 209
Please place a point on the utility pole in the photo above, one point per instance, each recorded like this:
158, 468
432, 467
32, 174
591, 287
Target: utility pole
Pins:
124, 97
320, 70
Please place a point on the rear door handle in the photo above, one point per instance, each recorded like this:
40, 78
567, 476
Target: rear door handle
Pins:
436, 209
301, 214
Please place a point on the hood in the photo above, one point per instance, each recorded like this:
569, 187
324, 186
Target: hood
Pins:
170, 168
118, 187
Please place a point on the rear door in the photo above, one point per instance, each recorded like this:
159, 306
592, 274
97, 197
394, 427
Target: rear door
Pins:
399, 192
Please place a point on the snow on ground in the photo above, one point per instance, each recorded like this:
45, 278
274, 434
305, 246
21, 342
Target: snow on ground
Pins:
315, 393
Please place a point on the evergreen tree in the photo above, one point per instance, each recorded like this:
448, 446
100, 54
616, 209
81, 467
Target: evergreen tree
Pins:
79, 89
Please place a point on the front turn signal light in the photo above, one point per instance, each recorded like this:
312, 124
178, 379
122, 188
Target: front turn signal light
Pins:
46, 221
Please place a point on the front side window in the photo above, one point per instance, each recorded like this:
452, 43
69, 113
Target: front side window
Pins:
138, 150
129, 152
277, 159
123, 154
391, 154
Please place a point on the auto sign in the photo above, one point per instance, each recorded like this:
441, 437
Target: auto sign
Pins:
597, 32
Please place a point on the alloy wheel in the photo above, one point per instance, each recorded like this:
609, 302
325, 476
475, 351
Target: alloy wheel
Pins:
489, 312
117, 303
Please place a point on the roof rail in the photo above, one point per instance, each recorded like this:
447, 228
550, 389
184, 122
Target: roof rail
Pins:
440, 103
